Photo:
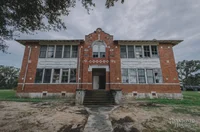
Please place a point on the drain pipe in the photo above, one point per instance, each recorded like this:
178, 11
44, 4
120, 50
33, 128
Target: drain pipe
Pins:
79, 67
29, 54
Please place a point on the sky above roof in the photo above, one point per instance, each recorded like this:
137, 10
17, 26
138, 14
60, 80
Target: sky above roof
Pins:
135, 19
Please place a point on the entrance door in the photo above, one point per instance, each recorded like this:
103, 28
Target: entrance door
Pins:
95, 82
99, 78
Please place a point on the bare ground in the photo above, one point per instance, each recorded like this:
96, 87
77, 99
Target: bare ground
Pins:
148, 117
41, 117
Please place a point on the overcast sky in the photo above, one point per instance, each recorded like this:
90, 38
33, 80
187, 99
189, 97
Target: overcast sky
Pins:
135, 19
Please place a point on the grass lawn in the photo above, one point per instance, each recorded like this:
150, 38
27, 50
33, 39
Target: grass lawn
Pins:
9, 95
190, 98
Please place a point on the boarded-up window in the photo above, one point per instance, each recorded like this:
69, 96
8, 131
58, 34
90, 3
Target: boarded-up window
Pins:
123, 52
56, 76
47, 76
43, 50
50, 51
58, 51
72, 75
125, 76
67, 51
141, 76
150, 76
138, 51
38, 77
131, 51
132, 75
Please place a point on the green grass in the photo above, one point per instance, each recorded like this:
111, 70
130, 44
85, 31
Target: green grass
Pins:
187, 110
190, 98
9, 95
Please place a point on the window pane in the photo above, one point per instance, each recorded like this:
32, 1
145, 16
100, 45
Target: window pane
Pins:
74, 51
43, 50
141, 76
95, 48
125, 76
158, 75
123, 52
65, 73
66, 51
56, 76
47, 76
50, 52
132, 76
150, 76
58, 51
38, 77
95, 54
131, 51
102, 48
138, 51
102, 54
146, 51
72, 75
154, 51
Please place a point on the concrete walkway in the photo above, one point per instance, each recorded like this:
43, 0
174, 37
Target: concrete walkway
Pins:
98, 120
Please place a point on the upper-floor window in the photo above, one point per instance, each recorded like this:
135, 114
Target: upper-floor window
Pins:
58, 51
138, 51
99, 49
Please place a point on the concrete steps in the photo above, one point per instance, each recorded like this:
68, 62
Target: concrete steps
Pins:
98, 97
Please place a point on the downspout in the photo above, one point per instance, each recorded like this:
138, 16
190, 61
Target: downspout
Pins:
79, 67
29, 54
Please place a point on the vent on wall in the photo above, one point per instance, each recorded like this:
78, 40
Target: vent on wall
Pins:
154, 94
44, 94
63, 94
135, 94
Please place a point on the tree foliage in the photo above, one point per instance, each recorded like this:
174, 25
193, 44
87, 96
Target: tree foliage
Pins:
189, 72
27, 16
8, 77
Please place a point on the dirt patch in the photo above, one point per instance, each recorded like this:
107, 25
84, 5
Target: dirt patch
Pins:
45, 117
123, 125
148, 117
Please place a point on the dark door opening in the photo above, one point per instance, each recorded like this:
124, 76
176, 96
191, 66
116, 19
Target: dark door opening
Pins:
99, 78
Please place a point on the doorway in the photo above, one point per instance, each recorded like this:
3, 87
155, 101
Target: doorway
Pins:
99, 78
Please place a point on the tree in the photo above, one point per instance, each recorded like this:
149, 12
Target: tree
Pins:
8, 77
27, 16
189, 72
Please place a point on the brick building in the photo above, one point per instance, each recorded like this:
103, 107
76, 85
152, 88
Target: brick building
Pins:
138, 68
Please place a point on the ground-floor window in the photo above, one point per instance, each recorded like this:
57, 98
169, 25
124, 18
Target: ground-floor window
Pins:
67, 75
141, 76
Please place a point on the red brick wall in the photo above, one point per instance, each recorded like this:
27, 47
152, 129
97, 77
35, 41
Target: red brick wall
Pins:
113, 76
168, 64
51, 88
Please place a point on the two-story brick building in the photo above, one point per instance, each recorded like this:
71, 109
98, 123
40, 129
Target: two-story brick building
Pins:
140, 68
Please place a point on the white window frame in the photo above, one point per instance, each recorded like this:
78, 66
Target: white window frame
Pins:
99, 51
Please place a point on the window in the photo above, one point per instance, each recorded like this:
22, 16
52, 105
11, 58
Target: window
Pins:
56, 76
65, 75
67, 51
50, 51
38, 77
47, 76
146, 51
123, 52
154, 51
138, 51
150, 76
125, 76
72, 75
158, 75
132, 76
141, 76
43, 50
131, 51
99, 49
74, 51
102, 51
58, 51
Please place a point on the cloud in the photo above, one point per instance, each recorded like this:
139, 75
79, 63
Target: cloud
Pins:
135, 19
